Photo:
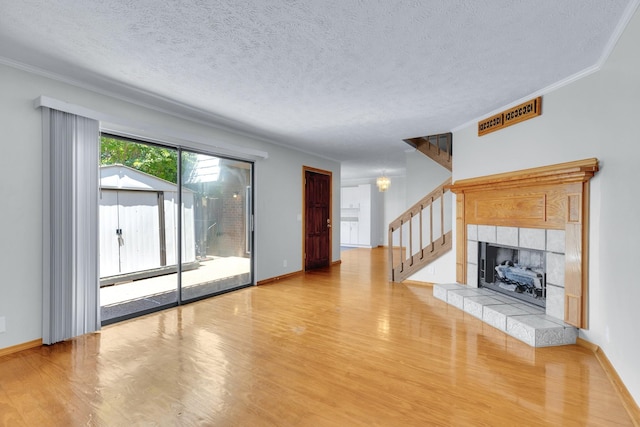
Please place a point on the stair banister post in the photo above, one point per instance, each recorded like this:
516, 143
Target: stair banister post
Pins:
431, 224
390, 243
421, 247
442, 214
400, 241
410, 257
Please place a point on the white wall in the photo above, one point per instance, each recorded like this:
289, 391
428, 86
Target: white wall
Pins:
378, 227
279, 210
395, 203
278, 189
423, 176
597, 116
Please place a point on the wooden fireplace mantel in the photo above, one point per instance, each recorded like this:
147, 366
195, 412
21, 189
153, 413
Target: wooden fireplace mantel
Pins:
550, 197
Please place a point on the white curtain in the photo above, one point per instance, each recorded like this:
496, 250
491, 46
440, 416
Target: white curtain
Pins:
70, 226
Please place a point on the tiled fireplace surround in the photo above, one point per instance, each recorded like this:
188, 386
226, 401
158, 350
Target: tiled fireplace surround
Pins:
534, 325
549, 241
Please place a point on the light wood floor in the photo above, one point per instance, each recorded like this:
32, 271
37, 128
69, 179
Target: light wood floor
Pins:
335, 347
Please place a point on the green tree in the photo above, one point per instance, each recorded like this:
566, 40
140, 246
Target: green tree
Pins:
157, 161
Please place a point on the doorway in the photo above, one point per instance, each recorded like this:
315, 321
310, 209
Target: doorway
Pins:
317, 218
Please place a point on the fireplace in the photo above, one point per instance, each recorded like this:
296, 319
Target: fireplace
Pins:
544, 209
516, 272
538, 264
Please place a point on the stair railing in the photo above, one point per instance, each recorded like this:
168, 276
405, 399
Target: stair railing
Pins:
438, 147
411, 247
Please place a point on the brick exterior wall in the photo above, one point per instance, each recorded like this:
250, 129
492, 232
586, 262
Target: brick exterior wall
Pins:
231, 241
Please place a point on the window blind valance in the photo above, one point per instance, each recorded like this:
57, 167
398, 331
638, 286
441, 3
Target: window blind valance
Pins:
126, 127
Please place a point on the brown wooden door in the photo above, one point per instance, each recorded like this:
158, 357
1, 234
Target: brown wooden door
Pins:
317, 219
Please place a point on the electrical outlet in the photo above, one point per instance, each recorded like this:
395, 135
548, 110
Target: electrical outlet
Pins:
3, 324
284, 263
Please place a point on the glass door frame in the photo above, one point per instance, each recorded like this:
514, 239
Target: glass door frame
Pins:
250, 194
249, 215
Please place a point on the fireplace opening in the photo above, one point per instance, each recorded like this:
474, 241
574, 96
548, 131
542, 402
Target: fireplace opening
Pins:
517, 272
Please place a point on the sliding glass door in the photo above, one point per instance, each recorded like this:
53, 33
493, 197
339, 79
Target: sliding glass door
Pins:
137, 228
151, 198
216, 201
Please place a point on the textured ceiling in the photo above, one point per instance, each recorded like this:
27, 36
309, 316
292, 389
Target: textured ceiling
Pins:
346, 79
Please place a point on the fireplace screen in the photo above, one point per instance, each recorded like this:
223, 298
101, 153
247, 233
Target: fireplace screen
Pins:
516, 272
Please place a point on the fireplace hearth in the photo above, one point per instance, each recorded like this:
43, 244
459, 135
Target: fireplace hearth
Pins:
517, 272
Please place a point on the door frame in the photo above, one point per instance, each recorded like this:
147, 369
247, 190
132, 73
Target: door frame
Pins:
306, 169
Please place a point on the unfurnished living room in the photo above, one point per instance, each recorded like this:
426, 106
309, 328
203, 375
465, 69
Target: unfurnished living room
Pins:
324, 213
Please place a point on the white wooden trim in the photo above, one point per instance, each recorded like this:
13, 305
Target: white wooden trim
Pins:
125, 127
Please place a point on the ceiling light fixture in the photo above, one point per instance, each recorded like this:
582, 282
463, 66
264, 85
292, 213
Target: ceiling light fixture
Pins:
383, 183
